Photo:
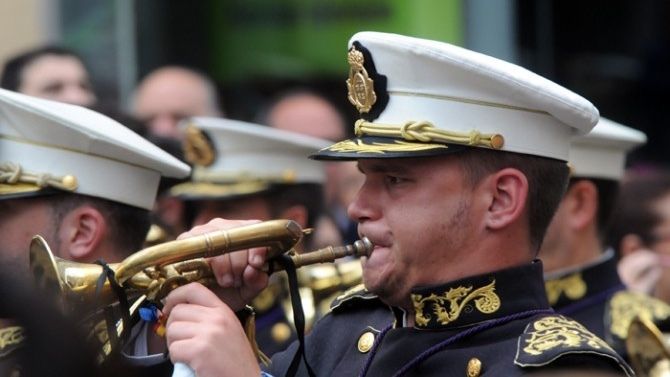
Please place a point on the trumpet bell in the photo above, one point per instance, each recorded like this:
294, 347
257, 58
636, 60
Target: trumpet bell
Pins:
44, 267
647, 349
74, 283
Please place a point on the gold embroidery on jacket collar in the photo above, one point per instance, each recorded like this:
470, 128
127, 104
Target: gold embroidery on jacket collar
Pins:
573, 286
624, 306
448, 306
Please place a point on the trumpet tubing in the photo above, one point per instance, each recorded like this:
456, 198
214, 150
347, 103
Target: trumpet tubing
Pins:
277, 235
157, 270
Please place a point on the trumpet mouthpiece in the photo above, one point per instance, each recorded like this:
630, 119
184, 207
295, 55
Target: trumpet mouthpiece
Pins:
363, 247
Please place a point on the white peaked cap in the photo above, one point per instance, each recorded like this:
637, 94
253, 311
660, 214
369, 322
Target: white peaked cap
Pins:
602, 152
47, 146
238, 158
432, 97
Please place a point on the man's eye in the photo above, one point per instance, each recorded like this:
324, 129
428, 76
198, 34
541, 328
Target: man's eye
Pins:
53, 88
393, 180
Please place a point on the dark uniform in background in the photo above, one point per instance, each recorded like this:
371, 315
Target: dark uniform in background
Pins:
581, 279
595, 297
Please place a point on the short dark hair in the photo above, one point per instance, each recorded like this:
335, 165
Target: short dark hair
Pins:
129, 225
309, 195
13, 70
547, 181
634, 211
607, 193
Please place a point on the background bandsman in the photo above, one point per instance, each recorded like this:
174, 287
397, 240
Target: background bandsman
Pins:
580, 269
82, 181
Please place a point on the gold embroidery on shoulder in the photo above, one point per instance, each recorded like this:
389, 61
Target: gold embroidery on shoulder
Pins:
360, 85
11, 336
556, 331
624, 306
485, 298
355, 289
572, 286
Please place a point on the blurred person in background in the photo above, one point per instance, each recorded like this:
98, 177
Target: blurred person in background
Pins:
171, 93
581, 276
50, 72
248, 171
304, 111
640, 231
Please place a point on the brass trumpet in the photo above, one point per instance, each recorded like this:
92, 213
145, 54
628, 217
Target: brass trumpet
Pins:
647, 349
157, 270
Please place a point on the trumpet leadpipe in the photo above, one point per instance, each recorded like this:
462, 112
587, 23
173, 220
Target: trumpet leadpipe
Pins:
329, 254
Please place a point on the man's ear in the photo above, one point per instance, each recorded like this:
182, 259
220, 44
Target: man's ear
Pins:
508, 189
81, 233
629, 244
582, 204
296, 213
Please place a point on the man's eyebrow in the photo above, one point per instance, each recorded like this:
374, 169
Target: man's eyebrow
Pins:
384, 167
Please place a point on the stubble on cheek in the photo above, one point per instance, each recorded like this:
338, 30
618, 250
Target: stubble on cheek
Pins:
15, 266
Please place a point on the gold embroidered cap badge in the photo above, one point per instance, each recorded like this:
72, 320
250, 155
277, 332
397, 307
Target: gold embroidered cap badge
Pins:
359, 84
198, 150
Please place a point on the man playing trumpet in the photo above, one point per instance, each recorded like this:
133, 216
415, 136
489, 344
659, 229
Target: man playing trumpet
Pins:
464, 163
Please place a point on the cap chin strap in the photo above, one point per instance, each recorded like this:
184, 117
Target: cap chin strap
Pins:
12, 173
424, 131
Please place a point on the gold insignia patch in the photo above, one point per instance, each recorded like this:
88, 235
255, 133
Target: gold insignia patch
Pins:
10, 338
572, 286
447, 307
359, 84
550, 338
352, 291
624, 306
356, 293
559, 332
198, 150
